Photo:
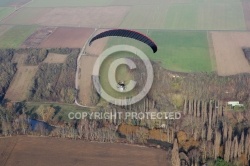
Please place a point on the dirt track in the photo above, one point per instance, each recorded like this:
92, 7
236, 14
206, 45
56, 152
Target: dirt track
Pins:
230, 58
37, 151
85, 80
67, 37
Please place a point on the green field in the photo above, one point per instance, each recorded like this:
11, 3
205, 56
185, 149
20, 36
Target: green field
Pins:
198, 15
69, 3
145, 17
5, 11
183, 51
206, 16
169, 15
15, 36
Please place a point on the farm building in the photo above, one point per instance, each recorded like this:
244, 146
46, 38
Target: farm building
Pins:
235, 103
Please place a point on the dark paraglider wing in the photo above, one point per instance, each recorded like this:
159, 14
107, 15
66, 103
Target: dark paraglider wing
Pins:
126, 33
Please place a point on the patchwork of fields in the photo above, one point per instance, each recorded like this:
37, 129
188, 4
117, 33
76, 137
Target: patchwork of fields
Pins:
26, 16
187, 16
145, 17
85, 17
206, 16
170, 15
181, 28
192, 36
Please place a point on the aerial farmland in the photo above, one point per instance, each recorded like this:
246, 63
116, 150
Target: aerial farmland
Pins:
199, 65
167, 22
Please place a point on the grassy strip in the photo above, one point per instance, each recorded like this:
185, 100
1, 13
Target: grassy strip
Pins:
16, 35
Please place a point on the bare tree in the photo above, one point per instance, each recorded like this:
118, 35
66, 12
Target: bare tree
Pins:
194, 156
142, 135
175, 154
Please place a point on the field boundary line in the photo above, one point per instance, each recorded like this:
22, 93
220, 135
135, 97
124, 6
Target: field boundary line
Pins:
243, 14
15, 10
151, 29
126, 15
211, 51
25, 4
67, 104
10, 152
8, 15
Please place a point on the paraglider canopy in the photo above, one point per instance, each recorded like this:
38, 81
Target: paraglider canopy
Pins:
129, 34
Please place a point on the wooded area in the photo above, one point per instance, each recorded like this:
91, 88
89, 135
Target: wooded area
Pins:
209, 131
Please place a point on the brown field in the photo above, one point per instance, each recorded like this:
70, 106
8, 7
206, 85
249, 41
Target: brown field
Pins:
230, 58
30, 151
86, 17
98, 46
85, 79
6, 148
246, 10
67, 37
21, 82
55, 58
37, 37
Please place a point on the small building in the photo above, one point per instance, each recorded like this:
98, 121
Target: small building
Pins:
235, 103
